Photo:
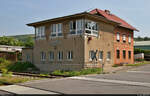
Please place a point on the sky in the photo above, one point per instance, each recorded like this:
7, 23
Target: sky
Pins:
15, 14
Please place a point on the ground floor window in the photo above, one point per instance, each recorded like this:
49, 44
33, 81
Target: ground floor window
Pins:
70, 55
51, 55
60, 55
43, 56
118, 54
129, 54
124, 54
100, 55
108, 55
91, 55
27, 57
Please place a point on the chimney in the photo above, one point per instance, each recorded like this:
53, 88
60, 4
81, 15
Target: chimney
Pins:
107, 11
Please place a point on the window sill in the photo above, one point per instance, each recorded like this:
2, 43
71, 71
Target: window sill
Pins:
69, 59
108, 59
100, 59
55, 37
91, 35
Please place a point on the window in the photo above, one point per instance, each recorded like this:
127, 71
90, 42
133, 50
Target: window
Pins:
129, 54
124, 54
129, 40
43, 56
79, 26
91, 28
108, 55
40, 32
56, 30
60, 55
118, 54
27, 57
100, 55
51, 55
70, 55
76, 26
91, 55
72, 26
124, 37
118, 36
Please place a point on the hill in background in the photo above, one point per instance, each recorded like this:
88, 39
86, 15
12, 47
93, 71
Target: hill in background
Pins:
24, 37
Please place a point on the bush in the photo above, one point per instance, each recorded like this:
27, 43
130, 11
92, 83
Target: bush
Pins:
21, 66
139, 59
5, 73
4, 63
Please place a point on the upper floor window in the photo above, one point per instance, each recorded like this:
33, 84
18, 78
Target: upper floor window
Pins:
70, 55
60, 55
91, 28
76, 26
40, 32
118, 36
56, 30
129, 39
124, 38
43, 56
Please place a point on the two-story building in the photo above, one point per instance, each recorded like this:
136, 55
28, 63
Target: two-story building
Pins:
83, 40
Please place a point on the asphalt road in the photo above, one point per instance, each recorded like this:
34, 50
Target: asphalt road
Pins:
134, 81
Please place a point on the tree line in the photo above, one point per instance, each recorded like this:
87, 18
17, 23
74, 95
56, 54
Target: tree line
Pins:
142, 38
10, 41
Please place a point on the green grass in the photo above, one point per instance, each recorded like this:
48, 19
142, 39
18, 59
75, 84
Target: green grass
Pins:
139, 64
13, 80
77, 73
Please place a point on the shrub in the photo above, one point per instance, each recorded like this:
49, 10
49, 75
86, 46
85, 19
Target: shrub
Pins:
21, 66
77, 73
139, 59
5, 73
4, 63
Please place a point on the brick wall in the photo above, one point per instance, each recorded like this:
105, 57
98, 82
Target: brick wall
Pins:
123, 46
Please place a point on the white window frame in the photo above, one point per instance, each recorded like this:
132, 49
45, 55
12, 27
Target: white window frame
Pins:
70, 55
90, 28
118, 36
100, 54
56, 29
129, 39
51, 53
79, 26
27, 57
124, 37
40, 32
43, 56
91, 53
60, 55
108, 53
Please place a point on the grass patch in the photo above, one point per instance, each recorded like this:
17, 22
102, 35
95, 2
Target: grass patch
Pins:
139, 64
13, 80
77, 73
